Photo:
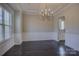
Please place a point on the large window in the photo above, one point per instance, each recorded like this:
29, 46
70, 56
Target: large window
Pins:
1, 29
5, 25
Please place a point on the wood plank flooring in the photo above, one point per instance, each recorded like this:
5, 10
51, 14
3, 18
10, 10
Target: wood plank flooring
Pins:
40, 48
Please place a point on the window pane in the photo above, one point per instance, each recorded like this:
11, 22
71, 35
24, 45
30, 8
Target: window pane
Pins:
61, 24
6, 17
1, 33
10, 19
7, 32
0, 15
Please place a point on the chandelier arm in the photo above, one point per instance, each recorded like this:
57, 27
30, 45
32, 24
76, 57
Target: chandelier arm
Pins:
46, 12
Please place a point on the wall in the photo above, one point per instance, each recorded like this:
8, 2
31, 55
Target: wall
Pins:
36, 28
35, 23
71, 25
18, 27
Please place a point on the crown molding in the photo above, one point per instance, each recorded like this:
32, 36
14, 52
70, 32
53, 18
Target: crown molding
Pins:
31, 12
56, 12
62, 9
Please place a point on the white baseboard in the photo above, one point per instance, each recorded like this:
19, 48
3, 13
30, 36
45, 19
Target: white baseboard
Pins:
5, 46
17, 38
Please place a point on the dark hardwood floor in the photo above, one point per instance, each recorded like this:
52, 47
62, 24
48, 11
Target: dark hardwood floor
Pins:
40, 48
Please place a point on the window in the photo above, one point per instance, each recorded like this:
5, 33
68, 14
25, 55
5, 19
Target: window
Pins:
0, 15
1, 29
61, 24
1, 36
5, 24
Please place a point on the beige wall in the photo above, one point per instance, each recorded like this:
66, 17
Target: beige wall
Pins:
71, 25
35, 23
71, 19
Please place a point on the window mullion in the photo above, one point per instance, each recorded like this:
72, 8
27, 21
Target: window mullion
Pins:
3, 26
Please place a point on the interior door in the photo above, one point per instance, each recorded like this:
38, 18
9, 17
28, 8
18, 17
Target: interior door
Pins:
61, 28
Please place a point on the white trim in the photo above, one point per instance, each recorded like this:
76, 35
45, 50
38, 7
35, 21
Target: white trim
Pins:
57, 12
4, 47
72, 40
17, 38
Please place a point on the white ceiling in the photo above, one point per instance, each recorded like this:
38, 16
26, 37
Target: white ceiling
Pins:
36, 7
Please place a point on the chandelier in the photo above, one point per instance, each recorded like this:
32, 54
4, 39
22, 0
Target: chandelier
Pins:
46, 11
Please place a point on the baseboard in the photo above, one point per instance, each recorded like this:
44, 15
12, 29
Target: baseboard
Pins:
4, 47
72, 49
18, 38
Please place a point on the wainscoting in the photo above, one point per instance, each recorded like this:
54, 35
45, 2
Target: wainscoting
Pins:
37, 36
5, 46
71, 39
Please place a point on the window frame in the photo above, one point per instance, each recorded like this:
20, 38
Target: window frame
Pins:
4, 25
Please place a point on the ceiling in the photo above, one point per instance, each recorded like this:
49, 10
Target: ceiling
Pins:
34, 8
